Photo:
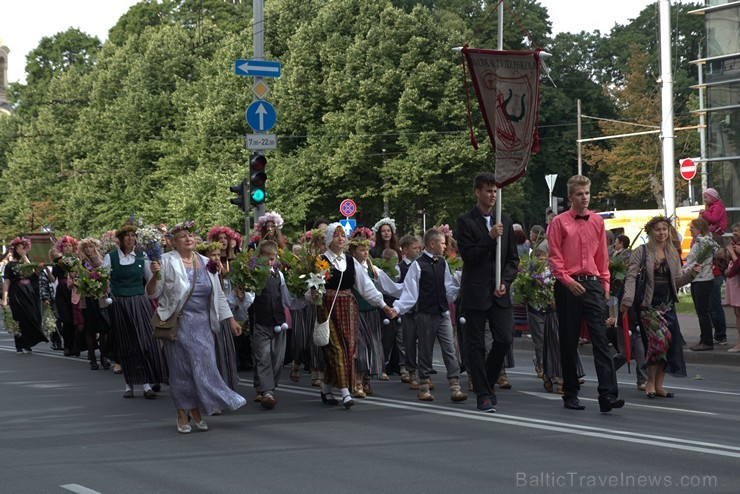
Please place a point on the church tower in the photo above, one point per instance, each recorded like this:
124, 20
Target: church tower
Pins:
4, 105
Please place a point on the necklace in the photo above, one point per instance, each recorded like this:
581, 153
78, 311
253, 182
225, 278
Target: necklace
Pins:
189, 261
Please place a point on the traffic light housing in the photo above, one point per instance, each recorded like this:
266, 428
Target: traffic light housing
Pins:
257, 179
558, 205
240, 190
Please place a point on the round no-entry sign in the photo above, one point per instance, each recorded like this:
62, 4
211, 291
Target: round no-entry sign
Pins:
348, 208
687, 169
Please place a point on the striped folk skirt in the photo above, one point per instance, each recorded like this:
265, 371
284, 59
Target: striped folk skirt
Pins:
370, 358
302, 347
551, 349
139, 353
339, 354
226, 355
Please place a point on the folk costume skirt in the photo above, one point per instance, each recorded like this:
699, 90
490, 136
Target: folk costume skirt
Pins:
370, 358
226, 355
339, 354
139, 353
302, 347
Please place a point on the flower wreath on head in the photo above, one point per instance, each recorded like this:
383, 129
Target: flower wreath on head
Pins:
385, 221
207, 247
125, 228
273, 216
21, 240
215, 231
185, 225
654, 221
445, 229
87, 242
65, 239
162, 228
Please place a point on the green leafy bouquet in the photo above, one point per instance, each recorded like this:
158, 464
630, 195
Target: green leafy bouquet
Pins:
617, 273
388, 266
11, 325
48, 322
533, 284
67, 263
91, 281
250, 271
706, 250
454, 261
26, 270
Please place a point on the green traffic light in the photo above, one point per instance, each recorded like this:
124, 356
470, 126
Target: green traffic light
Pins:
258, 196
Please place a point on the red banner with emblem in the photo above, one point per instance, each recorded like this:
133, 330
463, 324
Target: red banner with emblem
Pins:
507, 84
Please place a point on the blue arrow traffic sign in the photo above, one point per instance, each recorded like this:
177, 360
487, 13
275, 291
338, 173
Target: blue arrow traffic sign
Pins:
261, 116
348, 226
257, 68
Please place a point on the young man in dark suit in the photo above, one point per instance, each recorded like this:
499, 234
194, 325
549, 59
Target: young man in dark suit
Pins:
477, 237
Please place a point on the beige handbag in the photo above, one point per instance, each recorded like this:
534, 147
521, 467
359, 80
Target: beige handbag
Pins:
167, 329
321, 329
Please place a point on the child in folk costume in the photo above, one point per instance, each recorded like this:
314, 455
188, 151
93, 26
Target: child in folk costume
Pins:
369, 350
303, 349
267, 314
428, 287
226, 359
346, 273
410, 248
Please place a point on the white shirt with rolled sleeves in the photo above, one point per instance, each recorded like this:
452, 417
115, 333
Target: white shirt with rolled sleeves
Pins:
289, 301
410, 294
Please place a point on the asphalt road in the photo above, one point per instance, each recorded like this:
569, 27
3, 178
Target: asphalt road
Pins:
65, 428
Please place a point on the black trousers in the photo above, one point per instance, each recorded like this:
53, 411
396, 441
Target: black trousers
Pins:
591, 308
701, 294
485, 370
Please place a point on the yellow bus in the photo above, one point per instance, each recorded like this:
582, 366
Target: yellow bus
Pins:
632, 222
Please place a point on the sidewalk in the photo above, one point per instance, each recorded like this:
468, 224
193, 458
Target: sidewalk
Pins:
690, 330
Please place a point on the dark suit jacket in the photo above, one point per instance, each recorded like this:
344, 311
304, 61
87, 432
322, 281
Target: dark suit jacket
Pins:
478, 252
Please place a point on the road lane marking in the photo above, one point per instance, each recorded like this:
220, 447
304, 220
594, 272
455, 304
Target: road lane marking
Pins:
549, 396
548, 425
79, 489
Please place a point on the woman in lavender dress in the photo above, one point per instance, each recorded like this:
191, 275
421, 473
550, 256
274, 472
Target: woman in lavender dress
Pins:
195, 382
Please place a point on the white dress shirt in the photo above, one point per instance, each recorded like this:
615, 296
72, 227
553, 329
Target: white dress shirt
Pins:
363, 283
289, 300
127, 260
410, 294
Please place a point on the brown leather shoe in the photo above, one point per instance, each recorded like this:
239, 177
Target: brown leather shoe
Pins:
456, 393
268, 401
503, 382
702, 348
423, 394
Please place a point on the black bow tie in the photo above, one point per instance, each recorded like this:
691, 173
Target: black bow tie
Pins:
435, 259
582, 217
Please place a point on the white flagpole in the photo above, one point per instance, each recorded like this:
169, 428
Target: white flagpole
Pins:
499, 46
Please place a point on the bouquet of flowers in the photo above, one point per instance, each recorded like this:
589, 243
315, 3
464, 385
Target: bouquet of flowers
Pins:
11, 325
150, 241
306, 271
48, 322
617, 273
250, 271
653, 322
388, 266
533, 284
67, 263
108, 242
27, 269
92, 282
454, 261
706, 250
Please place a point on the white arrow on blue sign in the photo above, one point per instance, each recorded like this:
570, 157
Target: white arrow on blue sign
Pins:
257, 68
261, 116
348, 226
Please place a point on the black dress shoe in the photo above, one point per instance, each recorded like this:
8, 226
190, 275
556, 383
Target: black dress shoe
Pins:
149, 394
608, 403
573, 403
104, 363
156, 388
650, 395
667, 395
129, 393
328, 399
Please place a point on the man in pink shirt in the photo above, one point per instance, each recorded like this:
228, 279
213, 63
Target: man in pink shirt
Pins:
580, 263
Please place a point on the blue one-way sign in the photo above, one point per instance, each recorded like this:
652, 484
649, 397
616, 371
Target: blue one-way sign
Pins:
257, 68
261, 116
348, 226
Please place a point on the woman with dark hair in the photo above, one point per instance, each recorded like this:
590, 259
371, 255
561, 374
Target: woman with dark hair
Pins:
522, 246
131, 315
65, 247
385, 238
21, 291
664, 352
269, 227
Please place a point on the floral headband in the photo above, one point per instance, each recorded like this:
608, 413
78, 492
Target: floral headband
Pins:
362, 231
444, 229
65, 239
208, 247
359, 242
271, 216
215, 231
385, 221
185, 225
654, 221
125, 228
24, 241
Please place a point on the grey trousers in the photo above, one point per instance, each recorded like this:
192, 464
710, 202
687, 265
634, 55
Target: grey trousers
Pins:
408, 328
268, 353
536, 322
429, 327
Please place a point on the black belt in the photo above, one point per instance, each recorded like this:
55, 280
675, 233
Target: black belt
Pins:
585, 277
